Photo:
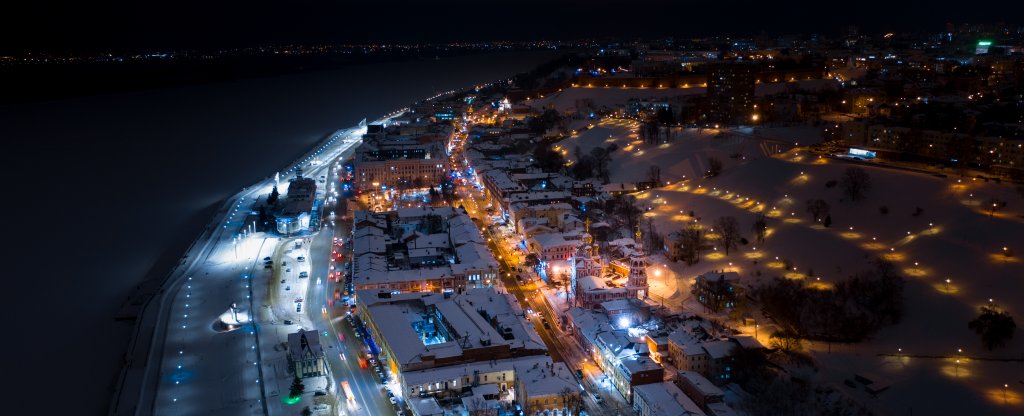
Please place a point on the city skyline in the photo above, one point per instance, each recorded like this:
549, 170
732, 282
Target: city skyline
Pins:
62, 26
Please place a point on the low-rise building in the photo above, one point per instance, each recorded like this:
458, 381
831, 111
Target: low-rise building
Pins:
718, 290
399, 162
663, 399
698, 388
711, 359
420, 250
294, 216
546, 388
442, 328
551, 246
306, 355
625, 360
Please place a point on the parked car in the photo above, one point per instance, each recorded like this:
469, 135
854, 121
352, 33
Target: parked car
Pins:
303, 274
301, 258
287, 321
283, 280
266, 259
298, 307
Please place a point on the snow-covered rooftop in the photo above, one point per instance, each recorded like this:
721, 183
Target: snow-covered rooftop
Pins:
666, 399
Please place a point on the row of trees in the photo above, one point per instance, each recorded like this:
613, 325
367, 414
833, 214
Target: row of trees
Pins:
593, 164
692, 242
853, 310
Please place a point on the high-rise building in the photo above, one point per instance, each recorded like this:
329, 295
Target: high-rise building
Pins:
731, 92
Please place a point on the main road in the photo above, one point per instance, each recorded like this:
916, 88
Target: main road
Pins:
182, 361
525, 287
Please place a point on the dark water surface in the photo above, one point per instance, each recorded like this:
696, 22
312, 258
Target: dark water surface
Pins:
100, 188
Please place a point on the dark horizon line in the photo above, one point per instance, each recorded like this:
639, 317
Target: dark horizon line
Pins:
467, 43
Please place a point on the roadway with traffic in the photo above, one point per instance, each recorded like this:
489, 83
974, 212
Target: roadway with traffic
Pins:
193, 364
525, 286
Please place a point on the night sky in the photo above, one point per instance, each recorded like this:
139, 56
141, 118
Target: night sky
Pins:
126, 24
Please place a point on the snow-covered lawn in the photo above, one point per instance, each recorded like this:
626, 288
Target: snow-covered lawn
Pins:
681, 153
952, 238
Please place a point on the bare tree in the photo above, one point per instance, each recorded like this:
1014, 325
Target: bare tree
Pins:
818, 208
855, 183
786, 340
601, 157
572, 401
714, 167
690, 243
477, 407
729, 229
760, 227
628, 209
654, 174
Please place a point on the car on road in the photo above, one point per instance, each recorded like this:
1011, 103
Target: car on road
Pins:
392, 399
598, 399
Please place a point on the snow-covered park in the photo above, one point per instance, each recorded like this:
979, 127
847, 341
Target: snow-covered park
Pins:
954, 253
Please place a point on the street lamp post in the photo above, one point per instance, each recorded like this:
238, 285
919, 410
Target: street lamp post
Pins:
959, 352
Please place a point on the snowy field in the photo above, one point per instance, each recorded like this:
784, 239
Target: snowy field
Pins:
953, 238
685, 153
